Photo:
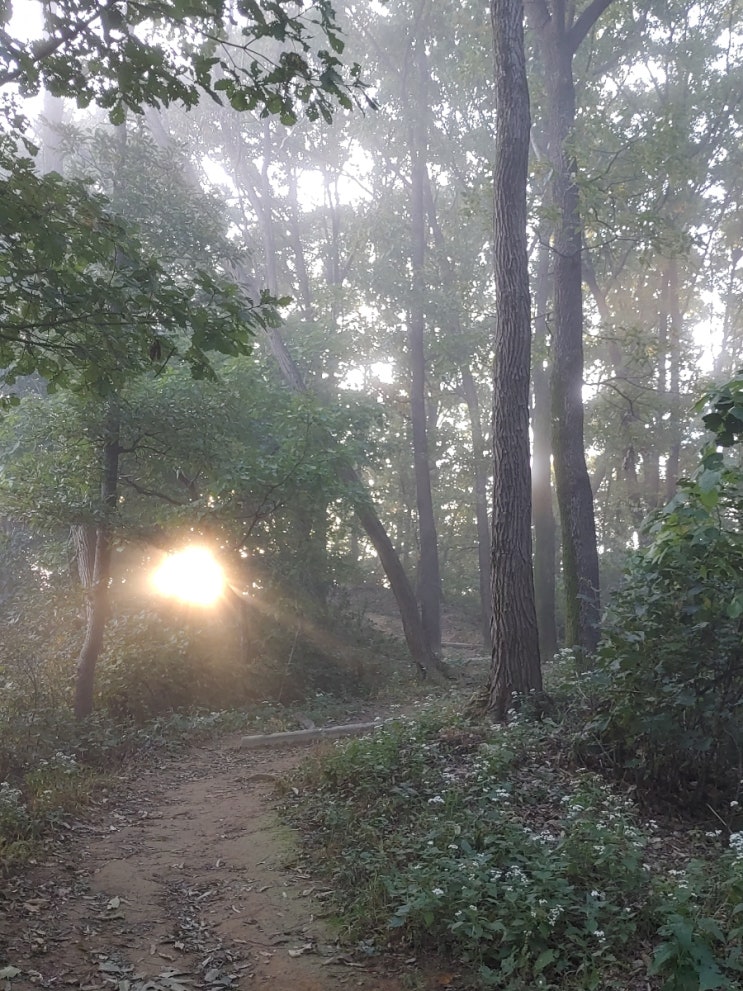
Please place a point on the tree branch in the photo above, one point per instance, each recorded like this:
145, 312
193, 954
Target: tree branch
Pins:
42, 50
150, 492
585, 22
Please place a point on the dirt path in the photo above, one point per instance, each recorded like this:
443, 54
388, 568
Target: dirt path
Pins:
185, 880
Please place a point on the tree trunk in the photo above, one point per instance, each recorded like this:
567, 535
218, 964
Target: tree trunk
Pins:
545, 529
96, 584
515, 665
469, 389
429, 580
559, 39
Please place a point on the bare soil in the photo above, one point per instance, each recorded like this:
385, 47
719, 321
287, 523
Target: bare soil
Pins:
184, 878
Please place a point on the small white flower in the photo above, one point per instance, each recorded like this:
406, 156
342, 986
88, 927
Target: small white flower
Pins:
436, 800
438, 892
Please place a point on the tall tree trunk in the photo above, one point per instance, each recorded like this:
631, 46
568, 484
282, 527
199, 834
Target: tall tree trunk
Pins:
96, 584
559, 38
545, 529
429, 579
97, 594
515, 664
469, 391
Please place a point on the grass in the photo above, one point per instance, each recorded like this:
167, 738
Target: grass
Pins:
488, 847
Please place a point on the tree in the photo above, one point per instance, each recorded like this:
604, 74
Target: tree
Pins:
82, 304
560, 32
515, 666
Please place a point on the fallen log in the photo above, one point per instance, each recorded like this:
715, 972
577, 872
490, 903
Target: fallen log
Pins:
313, 735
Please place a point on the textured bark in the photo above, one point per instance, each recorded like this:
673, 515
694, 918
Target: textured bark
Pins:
515, 665
545, 528
558, 41
429, 579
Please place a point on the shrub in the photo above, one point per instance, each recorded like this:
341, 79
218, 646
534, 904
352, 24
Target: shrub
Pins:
670, 665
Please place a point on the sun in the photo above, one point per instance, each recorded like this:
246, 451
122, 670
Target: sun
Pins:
192, 575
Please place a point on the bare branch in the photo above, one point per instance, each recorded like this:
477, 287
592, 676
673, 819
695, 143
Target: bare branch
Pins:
585, 22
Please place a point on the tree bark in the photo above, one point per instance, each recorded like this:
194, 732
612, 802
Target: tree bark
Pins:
559, 39
515, 665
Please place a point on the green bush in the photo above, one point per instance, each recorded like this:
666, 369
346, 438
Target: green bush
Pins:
670, 667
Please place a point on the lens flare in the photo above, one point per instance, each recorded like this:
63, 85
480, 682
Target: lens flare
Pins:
191, 575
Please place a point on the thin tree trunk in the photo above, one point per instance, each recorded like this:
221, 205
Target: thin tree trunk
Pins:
545, 528
97, 583
673, 465
515, 664
429, 579
469, 390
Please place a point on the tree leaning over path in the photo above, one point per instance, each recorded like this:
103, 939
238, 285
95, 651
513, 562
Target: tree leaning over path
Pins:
515, 666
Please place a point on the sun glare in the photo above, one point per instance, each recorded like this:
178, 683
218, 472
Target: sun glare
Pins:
191, 575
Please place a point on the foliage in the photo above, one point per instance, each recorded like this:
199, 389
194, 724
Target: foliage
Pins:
481, 845
85, 305
131, 55
670, 668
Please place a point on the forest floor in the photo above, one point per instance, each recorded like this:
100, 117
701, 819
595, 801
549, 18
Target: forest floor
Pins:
183, 877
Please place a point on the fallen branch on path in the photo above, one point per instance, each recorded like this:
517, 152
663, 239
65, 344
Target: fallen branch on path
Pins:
307, 735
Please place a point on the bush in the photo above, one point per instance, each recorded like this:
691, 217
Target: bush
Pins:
670, 667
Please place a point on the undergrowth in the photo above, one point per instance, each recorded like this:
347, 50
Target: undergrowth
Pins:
486, 846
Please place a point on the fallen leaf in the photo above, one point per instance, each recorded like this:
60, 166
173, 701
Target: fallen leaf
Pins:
114, 902
8, 973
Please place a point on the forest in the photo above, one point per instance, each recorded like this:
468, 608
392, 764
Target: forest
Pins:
387, 357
